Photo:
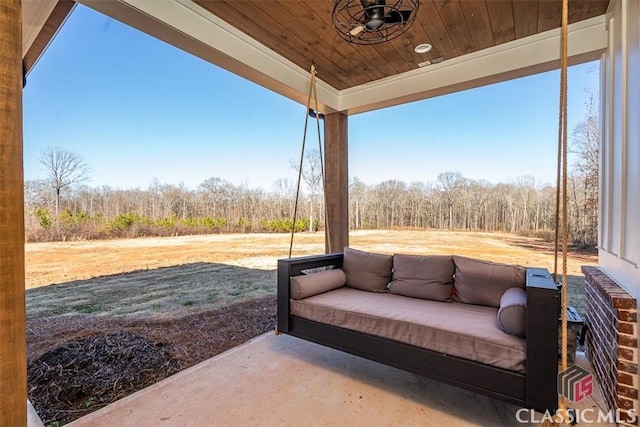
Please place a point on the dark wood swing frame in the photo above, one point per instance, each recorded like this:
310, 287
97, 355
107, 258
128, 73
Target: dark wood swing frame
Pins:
535, 389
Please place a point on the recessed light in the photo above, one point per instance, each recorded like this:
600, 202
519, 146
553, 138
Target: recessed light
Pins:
422, 48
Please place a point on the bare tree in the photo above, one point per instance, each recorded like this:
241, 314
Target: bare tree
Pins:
584, 180
284, 192
220, 192
65, 168
358, 200
312, 176
450, 185
586, 142
184, 195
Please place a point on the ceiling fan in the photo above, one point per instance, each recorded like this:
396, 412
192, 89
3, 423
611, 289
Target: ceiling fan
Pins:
373, 21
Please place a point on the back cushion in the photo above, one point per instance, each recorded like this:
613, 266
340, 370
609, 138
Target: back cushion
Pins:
426, 277
367, 271
483, 282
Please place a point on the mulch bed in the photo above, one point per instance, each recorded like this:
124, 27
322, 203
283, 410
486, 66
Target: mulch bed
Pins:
78, 364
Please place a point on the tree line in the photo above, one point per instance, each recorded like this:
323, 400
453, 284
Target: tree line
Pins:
218, 206
61, 207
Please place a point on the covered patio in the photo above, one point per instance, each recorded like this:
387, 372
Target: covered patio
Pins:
281, 380
273, 43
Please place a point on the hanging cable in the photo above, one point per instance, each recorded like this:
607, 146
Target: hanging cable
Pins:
561, 205
312, 92
565, 225
324, 181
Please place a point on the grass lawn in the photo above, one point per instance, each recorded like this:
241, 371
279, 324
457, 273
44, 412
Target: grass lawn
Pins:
177, 276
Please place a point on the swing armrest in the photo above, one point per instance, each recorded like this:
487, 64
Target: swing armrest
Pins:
290, 267
542, 339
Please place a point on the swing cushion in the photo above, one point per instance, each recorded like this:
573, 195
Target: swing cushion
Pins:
308, 285
483, 283
512, 314
367, 271
461, 330
424, 277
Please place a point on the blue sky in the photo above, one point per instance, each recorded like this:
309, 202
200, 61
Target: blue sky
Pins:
138, 109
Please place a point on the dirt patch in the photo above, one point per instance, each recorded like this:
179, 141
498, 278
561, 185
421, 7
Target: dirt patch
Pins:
95, 371
80, 363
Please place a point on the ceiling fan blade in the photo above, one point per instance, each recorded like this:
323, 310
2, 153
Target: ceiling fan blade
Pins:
371, 5
374, 13
397, 17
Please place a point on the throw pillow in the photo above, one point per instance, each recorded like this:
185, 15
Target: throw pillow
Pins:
425, 277
483, 282
367, 271
308, 285
512, 314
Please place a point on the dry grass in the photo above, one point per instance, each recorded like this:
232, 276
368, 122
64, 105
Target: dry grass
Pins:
60, 262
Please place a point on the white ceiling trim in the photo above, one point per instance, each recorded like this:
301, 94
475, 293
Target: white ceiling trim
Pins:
34, 15
190, 27
522, 57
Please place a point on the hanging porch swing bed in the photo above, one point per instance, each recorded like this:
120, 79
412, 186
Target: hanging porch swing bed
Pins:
479, 339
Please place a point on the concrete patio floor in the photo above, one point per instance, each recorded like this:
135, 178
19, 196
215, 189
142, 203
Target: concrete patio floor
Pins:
281, 380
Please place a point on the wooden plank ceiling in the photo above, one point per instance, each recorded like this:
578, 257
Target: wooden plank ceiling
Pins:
302, 32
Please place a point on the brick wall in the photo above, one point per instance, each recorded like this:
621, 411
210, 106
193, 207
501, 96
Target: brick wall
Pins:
612, 340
